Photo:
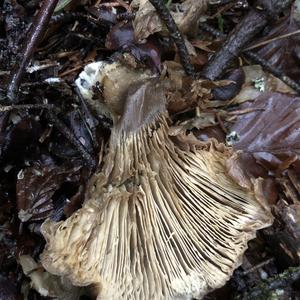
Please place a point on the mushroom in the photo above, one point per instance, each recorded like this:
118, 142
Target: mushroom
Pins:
162, 219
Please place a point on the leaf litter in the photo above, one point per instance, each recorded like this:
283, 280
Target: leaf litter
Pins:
249, 114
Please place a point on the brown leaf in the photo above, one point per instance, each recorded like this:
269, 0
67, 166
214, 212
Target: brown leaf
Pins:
232, 89
284, 54
268, 145
186, 16
35, 188
120, 35
146, 21
271, 136
258, 82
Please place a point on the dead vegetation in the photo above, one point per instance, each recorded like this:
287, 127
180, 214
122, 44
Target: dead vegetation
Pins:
145, 145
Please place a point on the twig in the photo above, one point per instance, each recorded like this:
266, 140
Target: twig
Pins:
277, 73
37, 31
67, 17
258, 266
88, 118
253, 23
283, 36
27, 107
220, 2
257, 59
166, 17
127, 16
69, 135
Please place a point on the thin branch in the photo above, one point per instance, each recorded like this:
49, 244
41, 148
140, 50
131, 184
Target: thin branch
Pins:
277, 73
283, 36
166, 17
256, 19
37, 31
27, 107
69, 135
257, 59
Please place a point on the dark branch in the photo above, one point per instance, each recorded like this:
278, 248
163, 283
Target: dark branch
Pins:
166, 17
257, 59
253, 23
37, 31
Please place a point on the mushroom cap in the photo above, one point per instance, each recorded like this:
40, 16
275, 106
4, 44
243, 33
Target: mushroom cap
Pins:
162, 220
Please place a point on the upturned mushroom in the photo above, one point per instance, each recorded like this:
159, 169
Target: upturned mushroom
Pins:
162, 219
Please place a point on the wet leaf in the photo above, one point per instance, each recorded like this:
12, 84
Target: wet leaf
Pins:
119, 36
75, 122
268, 143
284, 237
106, 14
19, 138
250, 90
232, 89
271, 136
284, 54
36, 186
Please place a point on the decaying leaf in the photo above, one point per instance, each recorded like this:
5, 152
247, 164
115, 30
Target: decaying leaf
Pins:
186, 16
271, 135
8, 290
268, 145
232, 89
162, 219
284, 54
258, 82
47, 284
36, 186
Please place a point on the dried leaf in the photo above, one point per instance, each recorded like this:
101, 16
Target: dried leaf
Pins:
186, 17
268, 83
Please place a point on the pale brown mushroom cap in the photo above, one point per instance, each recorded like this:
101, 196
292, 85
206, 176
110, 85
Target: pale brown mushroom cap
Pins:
160, 221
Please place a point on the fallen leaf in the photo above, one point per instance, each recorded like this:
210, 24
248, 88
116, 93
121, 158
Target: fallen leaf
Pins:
268, 142
271, 136
268, 83
283, 54
232, 89
120, 35
36, 186
186, 15
8, 290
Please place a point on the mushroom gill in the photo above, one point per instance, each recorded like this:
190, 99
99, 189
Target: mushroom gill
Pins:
162, 220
